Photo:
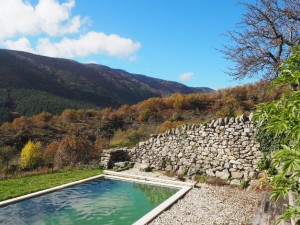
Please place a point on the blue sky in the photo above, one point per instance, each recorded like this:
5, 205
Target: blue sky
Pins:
168, 39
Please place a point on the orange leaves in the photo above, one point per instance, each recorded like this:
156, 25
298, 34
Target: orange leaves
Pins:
168, 125
74, 149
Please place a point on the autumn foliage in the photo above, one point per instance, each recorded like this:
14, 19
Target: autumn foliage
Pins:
79, 136
31, 155
49, 153
73, 150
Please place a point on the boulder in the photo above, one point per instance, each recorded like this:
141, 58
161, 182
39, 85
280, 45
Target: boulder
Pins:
235, 182
224, 174
181, 171
209, 172
237, 175
145, 168
121, 164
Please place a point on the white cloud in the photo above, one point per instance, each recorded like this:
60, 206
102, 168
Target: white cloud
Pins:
21, 44
50, 18
19, 17
185, 76
87, 44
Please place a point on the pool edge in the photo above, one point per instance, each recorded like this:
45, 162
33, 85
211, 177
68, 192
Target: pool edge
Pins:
48, 190
163, 206
150, 216
182, 186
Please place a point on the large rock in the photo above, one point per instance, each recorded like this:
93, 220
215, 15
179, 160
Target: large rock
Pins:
209, 172
181, 171
224, 174
235, 182
237, 175
145, 168
121, 164
192, 170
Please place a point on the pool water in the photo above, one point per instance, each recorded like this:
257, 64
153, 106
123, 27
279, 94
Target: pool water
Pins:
101, 201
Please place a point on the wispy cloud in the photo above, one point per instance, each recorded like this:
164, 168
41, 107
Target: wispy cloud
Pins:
185, 76
20, 20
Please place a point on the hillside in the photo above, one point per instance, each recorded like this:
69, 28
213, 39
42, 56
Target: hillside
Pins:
30, 84
128, 124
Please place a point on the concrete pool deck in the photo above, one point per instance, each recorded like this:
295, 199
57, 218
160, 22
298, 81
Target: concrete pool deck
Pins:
207, 204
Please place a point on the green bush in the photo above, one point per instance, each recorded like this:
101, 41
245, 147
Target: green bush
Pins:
281, 119
127, 138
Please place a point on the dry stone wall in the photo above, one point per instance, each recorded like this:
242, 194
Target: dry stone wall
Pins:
225, 148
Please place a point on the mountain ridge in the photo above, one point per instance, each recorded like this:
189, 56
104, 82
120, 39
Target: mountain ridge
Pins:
30, 84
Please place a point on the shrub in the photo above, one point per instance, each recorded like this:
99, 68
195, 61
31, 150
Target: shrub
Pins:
49, 154
131, 137
43, 116
126, 138
168, 125
74, 150
264, 163
100, 144
6, 154
31, 155
244, 184
281, 119
69, 115
144, 115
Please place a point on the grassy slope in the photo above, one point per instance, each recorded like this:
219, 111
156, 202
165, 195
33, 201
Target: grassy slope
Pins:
20, 186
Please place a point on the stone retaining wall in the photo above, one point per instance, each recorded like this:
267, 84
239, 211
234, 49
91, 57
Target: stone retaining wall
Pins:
224, 148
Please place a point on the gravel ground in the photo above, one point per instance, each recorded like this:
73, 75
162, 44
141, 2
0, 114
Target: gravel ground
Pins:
208, 205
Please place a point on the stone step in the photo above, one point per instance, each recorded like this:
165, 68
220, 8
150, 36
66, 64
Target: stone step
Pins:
268, 211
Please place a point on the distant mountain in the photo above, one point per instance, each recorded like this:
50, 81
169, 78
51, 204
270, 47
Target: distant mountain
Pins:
202, 89
30, 84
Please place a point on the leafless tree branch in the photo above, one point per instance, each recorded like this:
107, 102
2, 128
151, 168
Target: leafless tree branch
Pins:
264, 38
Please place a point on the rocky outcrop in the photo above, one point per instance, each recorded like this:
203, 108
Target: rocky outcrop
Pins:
225, 148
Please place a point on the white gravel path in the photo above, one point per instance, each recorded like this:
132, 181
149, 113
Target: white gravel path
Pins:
208, 205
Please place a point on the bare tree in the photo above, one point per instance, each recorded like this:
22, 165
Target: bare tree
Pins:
264, 38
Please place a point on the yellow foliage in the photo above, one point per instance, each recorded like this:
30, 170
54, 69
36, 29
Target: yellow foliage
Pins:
144, 115
43, 116
178, 100
70, 115
126, 138
31, 155
168, 125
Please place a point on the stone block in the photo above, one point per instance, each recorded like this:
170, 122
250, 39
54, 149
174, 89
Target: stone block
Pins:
234, 162
237, 175
235, 182
224, 174
210, 172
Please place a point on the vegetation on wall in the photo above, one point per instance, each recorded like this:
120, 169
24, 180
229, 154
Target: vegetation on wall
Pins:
280, 120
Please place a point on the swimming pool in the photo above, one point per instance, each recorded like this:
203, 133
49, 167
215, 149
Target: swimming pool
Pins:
98, 201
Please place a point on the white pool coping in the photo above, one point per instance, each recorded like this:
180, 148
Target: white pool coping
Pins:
144, 178
183, 186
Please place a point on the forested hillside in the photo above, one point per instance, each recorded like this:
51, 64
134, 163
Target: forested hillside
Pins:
31, 84
127, 125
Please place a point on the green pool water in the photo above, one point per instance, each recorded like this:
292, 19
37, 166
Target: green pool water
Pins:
101, 201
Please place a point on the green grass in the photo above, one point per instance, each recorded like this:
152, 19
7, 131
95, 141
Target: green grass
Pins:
24, 185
